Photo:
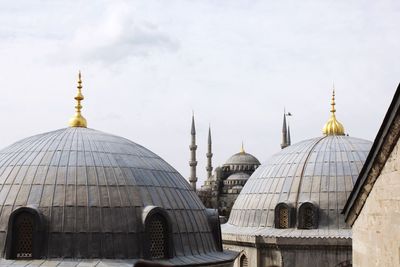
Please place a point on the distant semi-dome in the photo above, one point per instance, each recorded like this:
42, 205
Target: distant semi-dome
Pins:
81, 193
240, 176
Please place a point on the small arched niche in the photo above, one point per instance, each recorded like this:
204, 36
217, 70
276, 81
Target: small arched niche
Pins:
24, 234
243, 262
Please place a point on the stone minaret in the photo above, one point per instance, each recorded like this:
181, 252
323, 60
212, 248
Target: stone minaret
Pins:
284, 132
209, 155
193, 162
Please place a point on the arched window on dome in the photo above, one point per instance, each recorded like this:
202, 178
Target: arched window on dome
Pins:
244, 261
158, 244
25, 230
284, 215
308, 216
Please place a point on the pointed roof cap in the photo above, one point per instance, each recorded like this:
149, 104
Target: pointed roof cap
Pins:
209, 134
193, 130
333, 126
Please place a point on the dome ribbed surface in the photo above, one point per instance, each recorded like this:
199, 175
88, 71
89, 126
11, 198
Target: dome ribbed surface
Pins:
242, 158
238, 176
321, 170
91, 188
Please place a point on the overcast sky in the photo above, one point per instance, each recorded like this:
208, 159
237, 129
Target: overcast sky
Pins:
147, 64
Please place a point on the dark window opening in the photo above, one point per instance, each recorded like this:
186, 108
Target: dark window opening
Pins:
23, 233
284, 215
243, 261
157, 232
308, 216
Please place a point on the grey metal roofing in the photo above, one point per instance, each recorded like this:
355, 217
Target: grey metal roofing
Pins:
91, 188
321, 170
231, 230
242, 158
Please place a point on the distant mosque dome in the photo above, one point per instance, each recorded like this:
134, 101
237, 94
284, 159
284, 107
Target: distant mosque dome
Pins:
81, 193
241, 161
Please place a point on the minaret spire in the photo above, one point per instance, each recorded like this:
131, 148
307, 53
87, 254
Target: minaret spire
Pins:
193, 161
209, 154
78, 120
284, 132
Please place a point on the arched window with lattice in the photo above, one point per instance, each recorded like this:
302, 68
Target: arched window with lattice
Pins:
158, 233
244, 261
283, 215
23, 227
24, 234
308, 216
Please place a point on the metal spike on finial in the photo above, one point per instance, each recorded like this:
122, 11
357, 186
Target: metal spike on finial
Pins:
78, 120
333, 110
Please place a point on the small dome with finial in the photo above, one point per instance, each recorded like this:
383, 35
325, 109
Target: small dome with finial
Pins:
78, 120
333, 126
242, 160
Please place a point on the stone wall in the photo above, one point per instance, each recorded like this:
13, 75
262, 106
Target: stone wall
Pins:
376, 232
251, 253
331, 253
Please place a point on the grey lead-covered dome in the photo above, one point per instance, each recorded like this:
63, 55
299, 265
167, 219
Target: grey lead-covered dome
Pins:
321, 171
93, 191
241, 162
242, 158
240, 176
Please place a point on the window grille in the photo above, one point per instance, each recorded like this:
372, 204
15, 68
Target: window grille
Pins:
308, 216
24, 235
243, 261
158, 235
283, 217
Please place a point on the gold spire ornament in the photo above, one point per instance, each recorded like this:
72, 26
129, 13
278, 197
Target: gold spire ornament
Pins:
78, 120
333, 126
242, 149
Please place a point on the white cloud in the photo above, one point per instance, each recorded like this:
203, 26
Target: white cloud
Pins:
119, 35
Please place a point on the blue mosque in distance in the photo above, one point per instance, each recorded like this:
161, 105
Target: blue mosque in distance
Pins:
79, 197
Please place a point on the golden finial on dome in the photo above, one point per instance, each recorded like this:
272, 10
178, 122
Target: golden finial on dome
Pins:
333, 126
242, 149
78, 120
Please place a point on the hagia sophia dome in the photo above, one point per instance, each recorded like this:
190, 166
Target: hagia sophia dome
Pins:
301, 190
79, 193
